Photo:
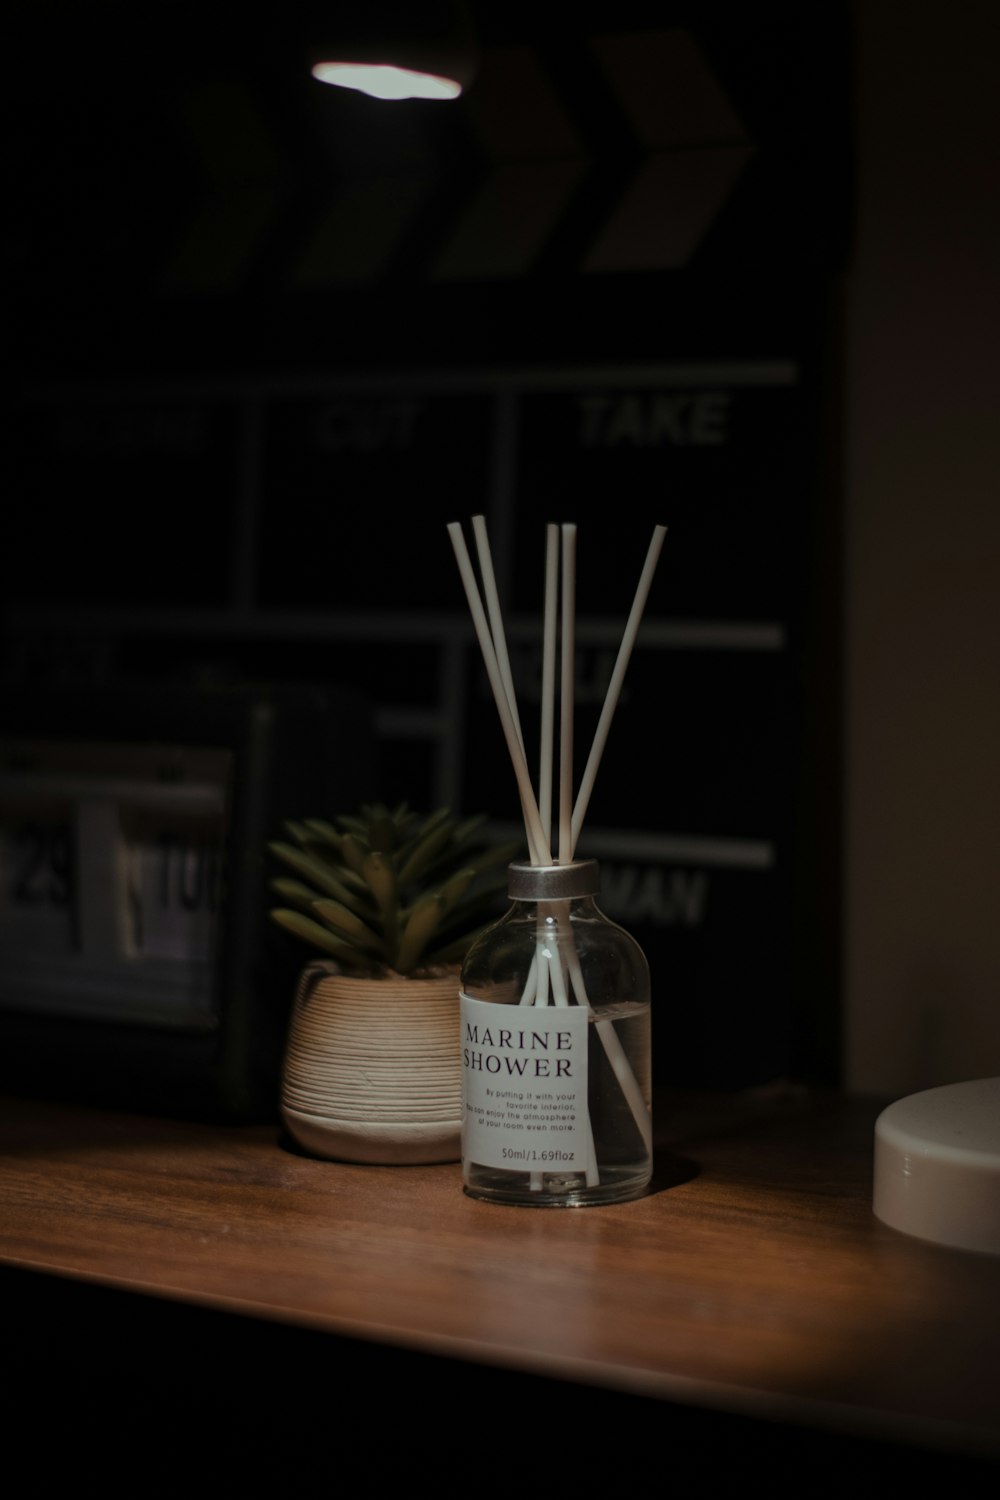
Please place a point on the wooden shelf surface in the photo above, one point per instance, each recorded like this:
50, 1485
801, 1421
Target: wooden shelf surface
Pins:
754, 1278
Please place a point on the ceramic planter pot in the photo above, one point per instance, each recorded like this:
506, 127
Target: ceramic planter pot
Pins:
372, 1068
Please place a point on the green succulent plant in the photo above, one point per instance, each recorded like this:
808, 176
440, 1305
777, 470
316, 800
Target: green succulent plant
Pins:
389, 891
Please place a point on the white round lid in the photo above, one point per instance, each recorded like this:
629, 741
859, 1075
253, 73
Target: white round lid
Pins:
937, 1165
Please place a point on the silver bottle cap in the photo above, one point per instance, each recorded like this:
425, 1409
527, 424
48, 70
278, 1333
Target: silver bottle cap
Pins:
553, 882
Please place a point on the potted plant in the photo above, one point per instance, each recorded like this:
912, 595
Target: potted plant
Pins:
388, 901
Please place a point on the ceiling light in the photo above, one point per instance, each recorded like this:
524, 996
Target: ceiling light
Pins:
400, 52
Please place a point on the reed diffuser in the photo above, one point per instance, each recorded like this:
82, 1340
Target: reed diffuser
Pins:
555, 999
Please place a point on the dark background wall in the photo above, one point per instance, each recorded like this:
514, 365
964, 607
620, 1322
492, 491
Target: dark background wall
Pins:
269, 338
922, 622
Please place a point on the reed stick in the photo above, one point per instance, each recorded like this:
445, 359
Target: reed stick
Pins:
536, 989
566, 698
548, 688
537, 840
615, 685
493, 610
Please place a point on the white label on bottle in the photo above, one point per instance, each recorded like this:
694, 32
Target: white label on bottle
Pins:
524, 1080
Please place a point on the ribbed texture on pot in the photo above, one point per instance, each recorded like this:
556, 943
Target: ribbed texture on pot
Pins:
372, 1068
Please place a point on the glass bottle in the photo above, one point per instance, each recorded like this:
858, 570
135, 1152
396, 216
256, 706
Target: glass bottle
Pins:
555, 1049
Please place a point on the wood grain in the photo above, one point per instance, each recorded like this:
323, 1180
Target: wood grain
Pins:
753, 1279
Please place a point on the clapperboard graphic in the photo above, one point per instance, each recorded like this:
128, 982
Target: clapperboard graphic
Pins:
299, 488
541, 165
588, 145
694, 814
